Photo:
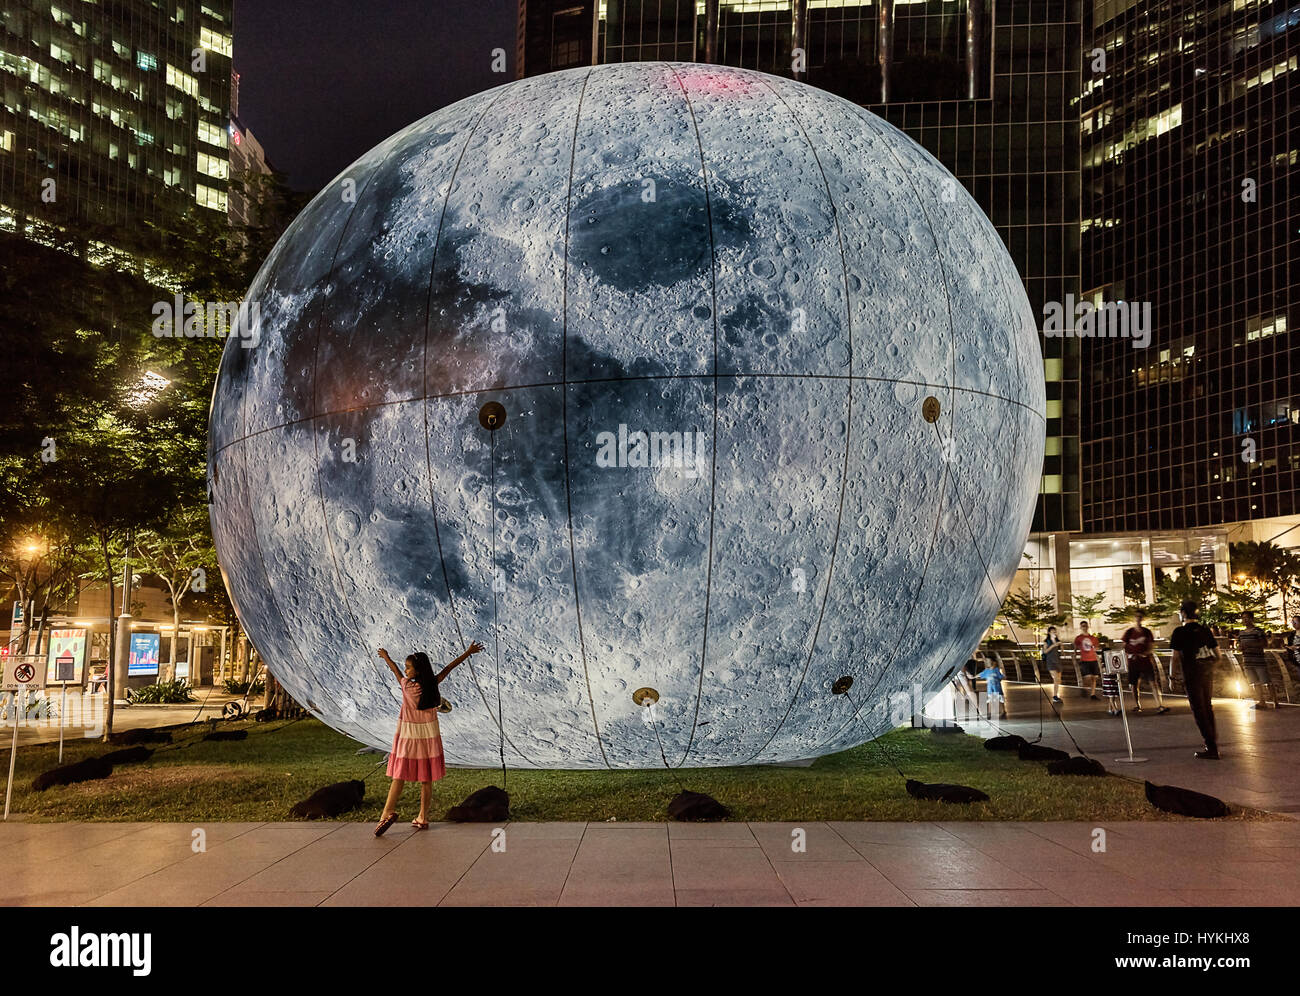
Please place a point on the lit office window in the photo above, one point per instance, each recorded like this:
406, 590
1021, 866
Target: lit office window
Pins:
182, 81
1246, 84
214, 134
216, 41
1264, 326
146, 61
214, 166
209, 197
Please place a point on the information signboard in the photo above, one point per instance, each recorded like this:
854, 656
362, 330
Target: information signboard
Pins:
144, 653
66, 655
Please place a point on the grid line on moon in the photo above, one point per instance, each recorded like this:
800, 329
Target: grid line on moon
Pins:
713, 465
848, 422
451, 652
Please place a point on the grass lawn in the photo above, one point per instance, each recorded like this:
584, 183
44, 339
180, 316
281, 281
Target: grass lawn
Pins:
258, 779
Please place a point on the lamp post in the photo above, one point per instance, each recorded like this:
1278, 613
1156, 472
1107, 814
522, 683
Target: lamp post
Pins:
122, 640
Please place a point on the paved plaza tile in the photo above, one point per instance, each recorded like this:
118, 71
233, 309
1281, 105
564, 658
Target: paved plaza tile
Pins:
649, 864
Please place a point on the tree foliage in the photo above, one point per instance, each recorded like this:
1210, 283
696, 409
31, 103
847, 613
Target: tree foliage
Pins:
1031, 613
103, 424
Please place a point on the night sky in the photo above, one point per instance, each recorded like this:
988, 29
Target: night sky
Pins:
322, 81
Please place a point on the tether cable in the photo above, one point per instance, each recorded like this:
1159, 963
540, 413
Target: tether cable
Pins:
496, 628
654, 722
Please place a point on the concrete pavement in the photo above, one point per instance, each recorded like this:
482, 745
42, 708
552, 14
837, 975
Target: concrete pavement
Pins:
84, 717
1260, 748
650, 864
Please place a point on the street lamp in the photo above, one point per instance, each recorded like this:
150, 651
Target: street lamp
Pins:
148, 387
32, 548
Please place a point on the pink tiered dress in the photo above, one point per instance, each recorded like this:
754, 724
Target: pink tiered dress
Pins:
417, 746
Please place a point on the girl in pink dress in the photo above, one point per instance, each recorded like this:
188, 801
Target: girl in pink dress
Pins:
417, 746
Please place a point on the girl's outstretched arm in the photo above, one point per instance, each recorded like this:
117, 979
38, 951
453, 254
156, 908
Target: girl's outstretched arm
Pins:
474, 648
383, 655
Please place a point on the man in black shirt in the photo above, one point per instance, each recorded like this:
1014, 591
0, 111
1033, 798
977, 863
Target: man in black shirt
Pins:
1195, 651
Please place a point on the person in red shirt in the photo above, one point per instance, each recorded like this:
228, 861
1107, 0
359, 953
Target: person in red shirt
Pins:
1086, 646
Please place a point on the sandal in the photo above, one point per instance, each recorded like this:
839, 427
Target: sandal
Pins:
382, 826
420, 826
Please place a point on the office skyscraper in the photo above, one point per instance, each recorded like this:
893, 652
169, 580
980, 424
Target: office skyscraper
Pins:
988, 88
114, 113
1191, 140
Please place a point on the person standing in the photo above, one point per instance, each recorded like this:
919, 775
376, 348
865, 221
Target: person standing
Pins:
994, 699
1195, 651
1139, 647
1251, 641
1293, 642
1052, 659
417, 745
1086, 646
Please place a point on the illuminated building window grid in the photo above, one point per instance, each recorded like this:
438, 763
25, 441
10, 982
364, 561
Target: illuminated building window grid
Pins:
118, 141
1167, 453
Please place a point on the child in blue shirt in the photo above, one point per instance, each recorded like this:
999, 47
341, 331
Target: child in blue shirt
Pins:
994, 676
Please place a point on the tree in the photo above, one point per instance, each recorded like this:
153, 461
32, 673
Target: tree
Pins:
1171, 592
1153, 612
1272, 568
1031, 613
110, 481
103, 425
44, 569
179, 552
1083, 607
1234, 599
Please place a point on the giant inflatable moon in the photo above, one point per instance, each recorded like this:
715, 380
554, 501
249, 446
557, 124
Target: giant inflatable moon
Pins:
773, 415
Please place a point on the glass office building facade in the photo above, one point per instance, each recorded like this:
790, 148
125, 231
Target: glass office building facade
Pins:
114, 113
1191, 135
988, 88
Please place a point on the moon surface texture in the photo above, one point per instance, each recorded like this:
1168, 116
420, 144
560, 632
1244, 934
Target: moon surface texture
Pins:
714, 305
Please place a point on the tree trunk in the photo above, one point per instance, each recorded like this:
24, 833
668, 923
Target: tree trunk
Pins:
109, 688
20, 644
176, 633
40, 629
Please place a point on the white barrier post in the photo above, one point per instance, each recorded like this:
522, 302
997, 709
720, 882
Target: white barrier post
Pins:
13, 752
63, 711
1114, 661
